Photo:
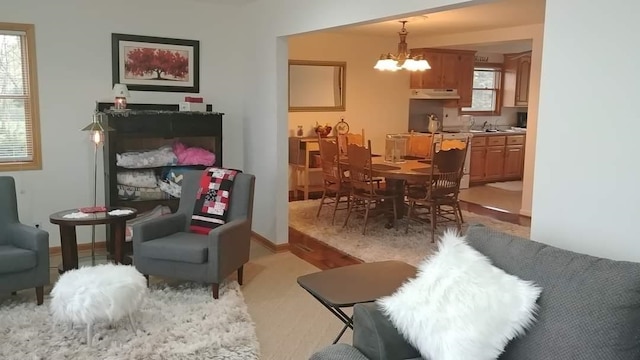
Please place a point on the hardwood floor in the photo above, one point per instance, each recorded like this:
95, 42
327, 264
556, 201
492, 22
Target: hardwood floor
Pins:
318, 253
326, 257
496, 214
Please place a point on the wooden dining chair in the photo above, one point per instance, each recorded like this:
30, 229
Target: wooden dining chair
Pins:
350, 138
439, 194
336, 189
364, 192
419, 145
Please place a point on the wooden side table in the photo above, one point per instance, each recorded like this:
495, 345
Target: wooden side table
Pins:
68, 240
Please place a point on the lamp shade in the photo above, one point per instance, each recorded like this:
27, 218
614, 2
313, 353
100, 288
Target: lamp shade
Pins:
120, 90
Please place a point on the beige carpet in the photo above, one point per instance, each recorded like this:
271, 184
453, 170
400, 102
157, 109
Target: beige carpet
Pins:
378, 243
290, 323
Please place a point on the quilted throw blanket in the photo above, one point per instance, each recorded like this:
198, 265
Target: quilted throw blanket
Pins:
212, 200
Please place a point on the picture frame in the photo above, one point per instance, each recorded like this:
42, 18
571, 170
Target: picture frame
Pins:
179, 59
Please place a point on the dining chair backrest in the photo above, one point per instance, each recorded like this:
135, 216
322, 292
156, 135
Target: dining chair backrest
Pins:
447, 167
360, 175
329, 160
419, 145
350, 138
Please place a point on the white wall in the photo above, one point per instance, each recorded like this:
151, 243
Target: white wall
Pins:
73, 45
266, 88
586, 195
376, 101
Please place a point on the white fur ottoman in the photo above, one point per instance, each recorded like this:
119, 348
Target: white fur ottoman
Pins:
98, 293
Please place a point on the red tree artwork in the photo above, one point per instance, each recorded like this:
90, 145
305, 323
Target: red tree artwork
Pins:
142, 62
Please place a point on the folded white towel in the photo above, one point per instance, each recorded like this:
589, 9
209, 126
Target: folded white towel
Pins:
118, 212
75, 215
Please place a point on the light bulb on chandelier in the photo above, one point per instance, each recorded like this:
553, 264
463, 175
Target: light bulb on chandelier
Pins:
403, 59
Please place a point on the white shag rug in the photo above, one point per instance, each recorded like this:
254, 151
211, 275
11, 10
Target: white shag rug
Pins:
181, 322
380, 243
507, 185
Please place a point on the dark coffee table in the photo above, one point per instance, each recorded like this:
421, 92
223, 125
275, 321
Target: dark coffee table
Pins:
349, 285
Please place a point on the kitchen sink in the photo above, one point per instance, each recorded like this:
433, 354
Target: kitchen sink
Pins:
498, 131
486, 130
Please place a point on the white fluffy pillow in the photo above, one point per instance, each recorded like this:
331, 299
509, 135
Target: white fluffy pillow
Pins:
460, 306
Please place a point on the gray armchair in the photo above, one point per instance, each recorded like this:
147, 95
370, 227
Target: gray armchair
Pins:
164, 246
24, 250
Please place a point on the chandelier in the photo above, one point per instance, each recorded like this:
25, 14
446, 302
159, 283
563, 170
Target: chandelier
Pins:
402, 60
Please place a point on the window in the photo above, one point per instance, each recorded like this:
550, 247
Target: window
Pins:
19, 123
486, 91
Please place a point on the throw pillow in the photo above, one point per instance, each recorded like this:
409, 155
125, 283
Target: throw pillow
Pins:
460, 306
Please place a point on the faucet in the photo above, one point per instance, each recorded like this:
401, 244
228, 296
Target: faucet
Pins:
484, 125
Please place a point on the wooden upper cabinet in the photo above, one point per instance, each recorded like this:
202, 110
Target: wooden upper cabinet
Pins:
524, 74
517, 72
432, 78
450, 69
465, 79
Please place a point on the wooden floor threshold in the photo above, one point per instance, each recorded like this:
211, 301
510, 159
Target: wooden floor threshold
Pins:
318, 253
496, 213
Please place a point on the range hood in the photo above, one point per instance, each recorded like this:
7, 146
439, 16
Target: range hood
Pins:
435, 94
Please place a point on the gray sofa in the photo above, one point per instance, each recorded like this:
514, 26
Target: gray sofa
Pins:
24, 250
589, 307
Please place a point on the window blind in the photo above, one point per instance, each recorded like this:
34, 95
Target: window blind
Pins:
16, 119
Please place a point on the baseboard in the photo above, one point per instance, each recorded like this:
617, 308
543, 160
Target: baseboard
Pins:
55, 250
271, 246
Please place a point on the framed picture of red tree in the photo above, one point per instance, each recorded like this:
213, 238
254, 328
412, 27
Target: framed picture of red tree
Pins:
147, 63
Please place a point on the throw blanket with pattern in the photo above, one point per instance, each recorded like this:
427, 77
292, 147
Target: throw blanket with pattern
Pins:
212, 200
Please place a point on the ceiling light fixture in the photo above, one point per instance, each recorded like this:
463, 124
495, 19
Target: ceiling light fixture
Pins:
402, 60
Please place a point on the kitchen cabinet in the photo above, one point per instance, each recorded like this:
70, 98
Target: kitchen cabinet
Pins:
477, 163
513, 160
465, 80
517, 73
496, 157
450, 69
494, 163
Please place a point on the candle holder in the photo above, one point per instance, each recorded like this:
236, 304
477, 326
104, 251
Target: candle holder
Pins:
121, 93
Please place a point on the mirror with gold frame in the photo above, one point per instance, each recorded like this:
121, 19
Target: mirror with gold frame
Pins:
317, 85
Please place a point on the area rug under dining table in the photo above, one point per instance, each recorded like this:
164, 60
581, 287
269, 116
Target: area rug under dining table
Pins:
379, 243
175, 322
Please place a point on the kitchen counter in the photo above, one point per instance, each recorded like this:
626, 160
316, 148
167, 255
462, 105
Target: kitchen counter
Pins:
498, 133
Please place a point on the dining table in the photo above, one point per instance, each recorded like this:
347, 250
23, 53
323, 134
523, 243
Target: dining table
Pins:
396, 175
